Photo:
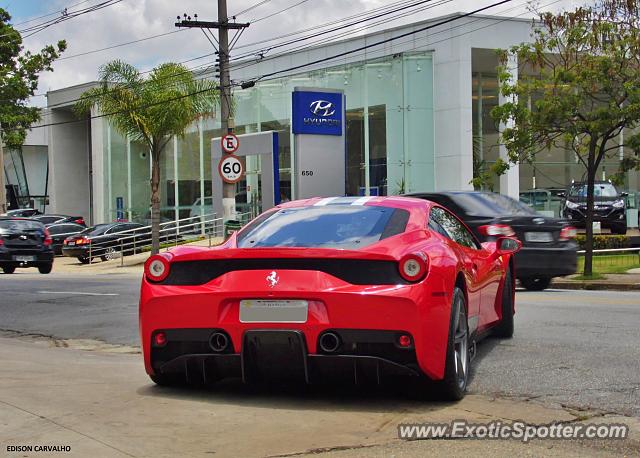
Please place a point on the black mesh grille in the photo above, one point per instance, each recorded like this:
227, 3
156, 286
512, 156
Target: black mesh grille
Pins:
355, 271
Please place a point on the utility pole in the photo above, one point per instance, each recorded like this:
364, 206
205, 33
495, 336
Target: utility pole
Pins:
3, 191
223, 51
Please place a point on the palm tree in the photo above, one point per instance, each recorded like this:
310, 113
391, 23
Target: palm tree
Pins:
151, 110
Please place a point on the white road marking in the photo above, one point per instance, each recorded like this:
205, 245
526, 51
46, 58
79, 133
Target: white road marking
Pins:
78, 293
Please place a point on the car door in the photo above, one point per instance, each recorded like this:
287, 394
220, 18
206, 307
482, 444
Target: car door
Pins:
469, 251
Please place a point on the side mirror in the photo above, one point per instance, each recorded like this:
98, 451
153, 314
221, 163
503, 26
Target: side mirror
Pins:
624, 194
507, 245
562, 194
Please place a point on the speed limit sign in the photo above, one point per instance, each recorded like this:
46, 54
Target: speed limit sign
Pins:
230, 143
230, 168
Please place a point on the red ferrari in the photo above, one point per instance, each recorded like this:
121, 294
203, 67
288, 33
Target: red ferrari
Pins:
360, 289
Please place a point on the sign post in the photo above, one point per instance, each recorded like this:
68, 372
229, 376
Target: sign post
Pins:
230, 165
318, 124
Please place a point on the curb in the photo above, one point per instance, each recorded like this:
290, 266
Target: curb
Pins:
596, 286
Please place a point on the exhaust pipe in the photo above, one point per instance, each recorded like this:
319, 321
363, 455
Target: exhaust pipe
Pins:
218, 342
329, 342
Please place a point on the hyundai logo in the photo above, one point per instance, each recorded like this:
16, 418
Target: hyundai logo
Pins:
322, 108
23, 237
538, 220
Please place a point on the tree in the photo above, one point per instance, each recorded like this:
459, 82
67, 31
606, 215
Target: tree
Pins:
19, 71
583, 81
150, 110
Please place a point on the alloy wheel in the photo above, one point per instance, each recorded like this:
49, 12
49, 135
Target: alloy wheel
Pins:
461, 344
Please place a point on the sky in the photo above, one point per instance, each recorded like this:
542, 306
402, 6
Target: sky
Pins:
131, 20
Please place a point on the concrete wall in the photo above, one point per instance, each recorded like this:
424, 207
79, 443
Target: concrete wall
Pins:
68, 165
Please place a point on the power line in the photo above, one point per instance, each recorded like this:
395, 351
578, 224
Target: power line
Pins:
65, 16
387, 40
50, 14
268, 75
252, 7
118, 45
278, 12
342, 34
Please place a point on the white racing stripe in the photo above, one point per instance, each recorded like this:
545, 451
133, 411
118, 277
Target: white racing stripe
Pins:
78, 293
362, 200
325, 201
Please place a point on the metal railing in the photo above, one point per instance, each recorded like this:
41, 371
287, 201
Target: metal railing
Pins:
138, 240
610, 257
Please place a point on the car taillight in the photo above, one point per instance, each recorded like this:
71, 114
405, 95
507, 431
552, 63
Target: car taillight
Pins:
156, 268
79, 221
1, 241
568, 233
413, 267
497, 230
47, 237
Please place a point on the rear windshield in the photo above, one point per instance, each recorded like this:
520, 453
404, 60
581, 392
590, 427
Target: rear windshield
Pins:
19, 225
339, 226
599, 190
490, 203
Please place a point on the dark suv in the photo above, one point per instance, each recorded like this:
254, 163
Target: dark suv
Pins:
24, 243
609, 206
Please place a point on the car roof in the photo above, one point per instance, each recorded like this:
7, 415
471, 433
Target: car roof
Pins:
406, 203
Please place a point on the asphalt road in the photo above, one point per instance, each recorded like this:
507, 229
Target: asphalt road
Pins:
573, 348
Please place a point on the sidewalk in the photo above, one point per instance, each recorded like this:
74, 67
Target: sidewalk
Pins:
620, 282
102, 404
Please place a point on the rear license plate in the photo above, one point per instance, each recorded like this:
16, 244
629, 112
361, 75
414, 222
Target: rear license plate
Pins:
24, 258
273, 311
71, 243
538, 237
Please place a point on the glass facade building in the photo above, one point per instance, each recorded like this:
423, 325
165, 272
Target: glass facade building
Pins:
389, 139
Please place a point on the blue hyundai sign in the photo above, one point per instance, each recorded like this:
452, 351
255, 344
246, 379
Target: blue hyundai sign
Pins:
319, 113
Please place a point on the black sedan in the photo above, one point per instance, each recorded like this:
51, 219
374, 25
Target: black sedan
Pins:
60, 231
24, 243
548, 246
48, 220
106, 241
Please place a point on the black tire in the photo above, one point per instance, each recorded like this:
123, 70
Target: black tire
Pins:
83, 260
535, 283
174, 380
504, 329
456, 376
9, 269
46, 269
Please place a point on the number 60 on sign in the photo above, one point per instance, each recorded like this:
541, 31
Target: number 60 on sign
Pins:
230, 168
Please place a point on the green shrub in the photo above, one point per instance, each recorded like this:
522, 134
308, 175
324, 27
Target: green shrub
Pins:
605, 242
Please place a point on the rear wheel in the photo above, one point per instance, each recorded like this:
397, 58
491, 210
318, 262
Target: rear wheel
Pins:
110, 254
46, 269
83, 260
535, 283
505, 328
456, 376
9, 269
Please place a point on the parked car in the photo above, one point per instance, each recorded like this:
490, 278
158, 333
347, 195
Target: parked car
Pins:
24, 243
610, 208
321, 288
47, 220
60, 231
103, 241
23, 212
548, 246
